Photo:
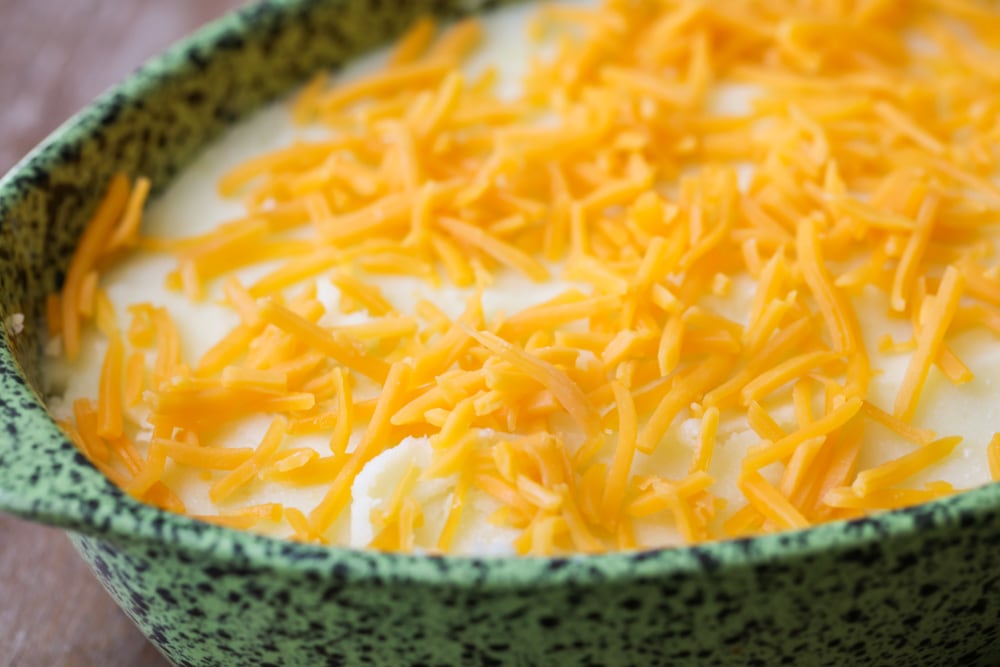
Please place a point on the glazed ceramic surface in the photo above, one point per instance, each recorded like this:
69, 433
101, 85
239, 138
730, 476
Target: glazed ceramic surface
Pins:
913, 587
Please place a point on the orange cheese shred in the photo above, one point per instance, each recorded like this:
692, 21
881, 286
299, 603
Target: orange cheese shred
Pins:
109, 400
942, 310
88, 250
769, 502
371, 443
899, 469
993, 456
621, 465
246, 471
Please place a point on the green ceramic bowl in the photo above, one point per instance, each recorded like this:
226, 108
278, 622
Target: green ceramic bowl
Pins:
913, 587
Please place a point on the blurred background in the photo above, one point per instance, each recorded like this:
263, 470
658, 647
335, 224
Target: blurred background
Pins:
55, 57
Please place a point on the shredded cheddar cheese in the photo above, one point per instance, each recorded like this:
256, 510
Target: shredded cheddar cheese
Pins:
860, 164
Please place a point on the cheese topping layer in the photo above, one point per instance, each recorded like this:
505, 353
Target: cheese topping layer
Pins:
661, 273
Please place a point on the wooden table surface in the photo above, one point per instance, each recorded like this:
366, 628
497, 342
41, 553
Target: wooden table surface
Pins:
55, 57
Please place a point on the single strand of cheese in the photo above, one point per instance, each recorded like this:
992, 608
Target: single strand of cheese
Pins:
763, 424
86, 423
109, 401
993, 456
687, 389
942, 311
784, 372
416, 74
413, 43
315, 336
374, 439
706, 441
455, 507
621, 465
211, 458
127, 232
768, 453
246, 471
502, 252
838, 316
88, 249
769, 502
921, 436
905, 466
916, 246
150, 474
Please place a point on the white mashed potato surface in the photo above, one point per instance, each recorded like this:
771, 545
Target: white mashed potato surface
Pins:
192, 206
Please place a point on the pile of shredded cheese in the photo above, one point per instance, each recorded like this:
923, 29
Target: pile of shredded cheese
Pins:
865, 158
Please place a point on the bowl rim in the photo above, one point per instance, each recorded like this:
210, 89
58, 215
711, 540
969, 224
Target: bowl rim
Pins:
147, 524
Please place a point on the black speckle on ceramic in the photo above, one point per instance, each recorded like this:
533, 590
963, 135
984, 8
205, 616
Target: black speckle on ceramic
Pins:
913, 587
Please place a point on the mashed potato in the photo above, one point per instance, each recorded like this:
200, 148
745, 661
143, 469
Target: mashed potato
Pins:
735, 122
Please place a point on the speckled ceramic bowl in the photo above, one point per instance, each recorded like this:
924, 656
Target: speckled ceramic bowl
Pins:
914, 587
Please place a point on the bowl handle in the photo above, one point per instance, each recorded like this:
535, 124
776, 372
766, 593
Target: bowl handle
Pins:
43, 477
